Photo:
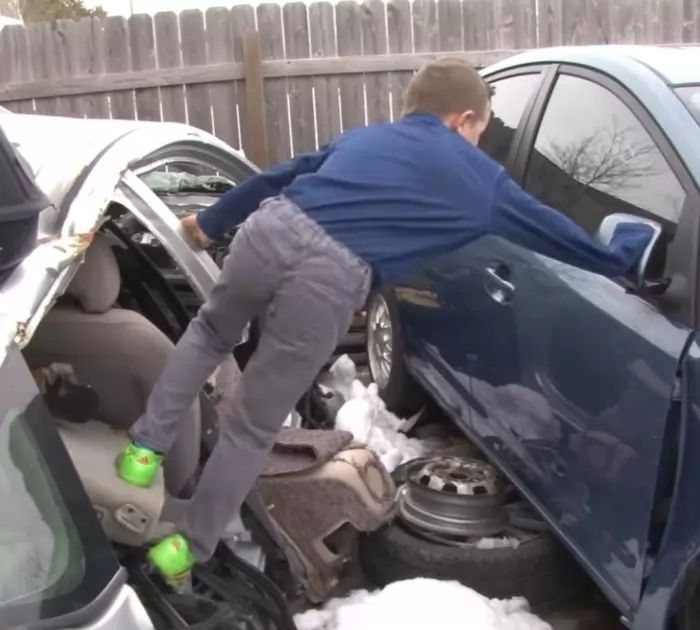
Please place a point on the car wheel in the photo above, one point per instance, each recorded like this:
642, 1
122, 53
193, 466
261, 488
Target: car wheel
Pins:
539, 569
385, 355
689, 613
454, 522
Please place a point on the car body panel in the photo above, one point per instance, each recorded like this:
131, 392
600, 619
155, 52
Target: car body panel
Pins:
126, 611
680, 549
547, 387
568, 381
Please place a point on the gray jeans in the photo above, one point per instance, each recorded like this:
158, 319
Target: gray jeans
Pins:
304, 287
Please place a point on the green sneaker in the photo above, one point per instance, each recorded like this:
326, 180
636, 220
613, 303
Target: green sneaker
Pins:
138, 465
172, 558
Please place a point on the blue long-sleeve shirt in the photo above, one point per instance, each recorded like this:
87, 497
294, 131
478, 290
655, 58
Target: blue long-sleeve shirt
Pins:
397, 194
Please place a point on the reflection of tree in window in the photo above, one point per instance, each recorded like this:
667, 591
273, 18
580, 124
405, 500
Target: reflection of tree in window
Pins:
592, 158
606, 159
508, 102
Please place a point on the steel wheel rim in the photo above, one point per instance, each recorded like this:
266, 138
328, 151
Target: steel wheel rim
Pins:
379, 341
453, 497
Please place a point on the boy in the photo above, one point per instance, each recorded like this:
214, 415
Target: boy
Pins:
365, 210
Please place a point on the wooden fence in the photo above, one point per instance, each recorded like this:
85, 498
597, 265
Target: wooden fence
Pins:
279, 79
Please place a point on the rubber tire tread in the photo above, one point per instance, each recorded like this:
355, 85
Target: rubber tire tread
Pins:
541, 570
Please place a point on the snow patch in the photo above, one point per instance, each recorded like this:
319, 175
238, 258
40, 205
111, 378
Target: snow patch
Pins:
365, 415
498, 543
420, 604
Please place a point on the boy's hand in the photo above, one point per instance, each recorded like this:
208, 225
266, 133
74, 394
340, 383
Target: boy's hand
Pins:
193, 234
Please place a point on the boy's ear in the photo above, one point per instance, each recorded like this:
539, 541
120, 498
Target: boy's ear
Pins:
458, 120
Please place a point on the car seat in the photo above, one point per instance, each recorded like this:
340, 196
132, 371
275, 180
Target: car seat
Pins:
120, 354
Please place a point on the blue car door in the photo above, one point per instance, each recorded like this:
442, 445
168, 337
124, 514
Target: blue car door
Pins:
570, 374
434, 328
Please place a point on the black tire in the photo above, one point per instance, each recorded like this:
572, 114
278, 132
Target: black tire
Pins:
540, 569
689, 609
401, 393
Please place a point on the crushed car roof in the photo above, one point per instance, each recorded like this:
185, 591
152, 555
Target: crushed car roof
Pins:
78, 163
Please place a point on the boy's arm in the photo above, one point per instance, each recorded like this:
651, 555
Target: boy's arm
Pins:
522, 219
238, 203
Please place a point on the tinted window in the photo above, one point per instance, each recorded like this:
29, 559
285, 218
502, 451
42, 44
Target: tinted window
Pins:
511, 96
592, 158
55, 558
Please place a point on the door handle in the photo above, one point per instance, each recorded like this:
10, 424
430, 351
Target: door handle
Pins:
498, 287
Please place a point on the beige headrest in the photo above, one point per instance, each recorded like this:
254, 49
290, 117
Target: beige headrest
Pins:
97, 282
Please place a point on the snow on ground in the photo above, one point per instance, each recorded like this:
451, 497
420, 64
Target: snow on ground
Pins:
498, 543
365, 415
421, 604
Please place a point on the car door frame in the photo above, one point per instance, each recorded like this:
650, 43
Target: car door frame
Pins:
413, 362
689, 220
545, 70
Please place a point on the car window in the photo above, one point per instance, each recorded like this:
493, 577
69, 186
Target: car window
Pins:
511, 96
592, 157
55, 559
690, 95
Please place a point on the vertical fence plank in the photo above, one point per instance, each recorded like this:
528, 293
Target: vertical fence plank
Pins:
653, 22
602, 20
39, 35
691, 21
628, 24
77, 62
478, 25
242, 21
301, 97
570, 20
277, 116
323, 44
7, 64
400, 41
550, 22
672, 21
119, 60
425, 26
255, 98
586, 22
194, 53
91, 61
374, 42
352, 97
143, 57
168, 54
521, 16
222, 96
15, 66
62, 61
450, 25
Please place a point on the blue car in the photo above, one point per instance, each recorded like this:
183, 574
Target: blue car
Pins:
584, 391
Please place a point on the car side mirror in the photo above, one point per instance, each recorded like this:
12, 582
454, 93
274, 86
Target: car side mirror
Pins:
639, 272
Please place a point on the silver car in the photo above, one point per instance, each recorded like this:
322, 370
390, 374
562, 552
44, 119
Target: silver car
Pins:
87, 321
57, 566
